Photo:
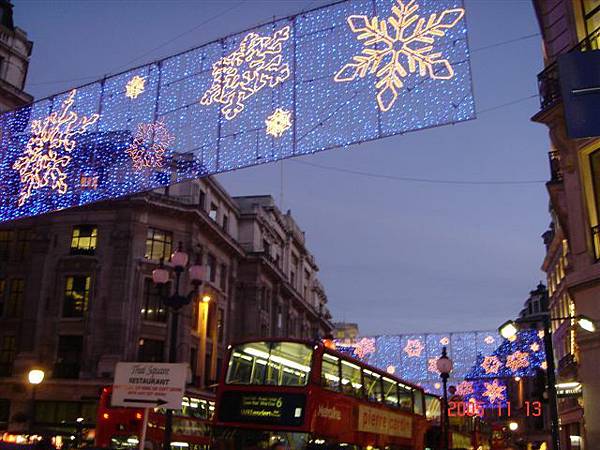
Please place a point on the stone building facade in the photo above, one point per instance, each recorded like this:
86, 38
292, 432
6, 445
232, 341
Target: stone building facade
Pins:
15, 50
77, 294
572, 261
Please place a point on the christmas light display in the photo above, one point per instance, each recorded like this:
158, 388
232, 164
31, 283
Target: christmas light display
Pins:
413, 356
279, 122
135, 87
489, 340
264, 66
149, 145
364, 347
413, 348
47, 152
517, 360
464, 388
494, 391
404, 36
491, 364
535, 347
216, 101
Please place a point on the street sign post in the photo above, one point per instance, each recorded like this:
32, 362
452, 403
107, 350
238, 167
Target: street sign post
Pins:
149, 385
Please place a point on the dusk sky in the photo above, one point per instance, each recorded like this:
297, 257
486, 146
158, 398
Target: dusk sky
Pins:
395, 256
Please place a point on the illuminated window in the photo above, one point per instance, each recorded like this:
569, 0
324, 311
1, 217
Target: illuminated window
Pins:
213, 212
159, 244
152, 306
77, 293
591, 12
372, 386
419, 405
8, 350
390, 392
594, 161
5, 238
14, 302
330, 372
351, 379
83, 240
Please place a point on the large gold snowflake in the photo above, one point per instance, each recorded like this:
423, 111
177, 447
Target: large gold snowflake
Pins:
257, 63
46, 155
278, 122
494, 391
517, 360
401, 45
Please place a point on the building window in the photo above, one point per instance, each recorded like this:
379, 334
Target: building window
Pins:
223, 278
202, 200
207, 369
68, 357
193, 363
14, 303
152, 306
595, 174
5, 238
77, 295
151, 350
8, 350
220, 324
211, 265
159, 244
214, 210
83, 240
4, 413
267, 248
22, 244
225, 223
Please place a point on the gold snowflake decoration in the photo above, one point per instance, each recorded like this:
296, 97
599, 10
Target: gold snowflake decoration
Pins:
257, 63
135, 87
517, 360
47, 153
544, 365
150, 143
364, 347
464, 388
491, 364
445, 341
494, 391
401, 45
413, 348
391, 370
535, 347
432, 365
489, 340
279, 122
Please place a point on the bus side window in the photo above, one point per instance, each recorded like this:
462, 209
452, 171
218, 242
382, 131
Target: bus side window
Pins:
405, 397
390, 392
351, 380
418, 402
330, 372
372, 385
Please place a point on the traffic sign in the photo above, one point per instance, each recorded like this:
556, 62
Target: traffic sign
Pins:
149, 385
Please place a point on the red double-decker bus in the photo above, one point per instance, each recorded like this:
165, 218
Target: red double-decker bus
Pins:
302, 395
121, 428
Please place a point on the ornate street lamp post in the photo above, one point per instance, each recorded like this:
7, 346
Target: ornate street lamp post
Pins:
510, 329
444, 366
35, 377
161, 276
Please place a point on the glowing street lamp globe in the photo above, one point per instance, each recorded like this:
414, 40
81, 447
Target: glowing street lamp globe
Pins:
160, 275
179, 258
586, 323
508, 329
35, 376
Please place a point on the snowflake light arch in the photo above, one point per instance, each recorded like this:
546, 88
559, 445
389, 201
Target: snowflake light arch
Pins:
216, 98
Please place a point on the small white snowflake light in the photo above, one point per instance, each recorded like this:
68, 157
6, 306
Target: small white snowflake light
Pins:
489, 340
391, 369
279, 122
135, 87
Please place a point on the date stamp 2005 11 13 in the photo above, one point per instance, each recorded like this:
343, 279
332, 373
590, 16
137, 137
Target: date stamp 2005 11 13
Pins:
461, 409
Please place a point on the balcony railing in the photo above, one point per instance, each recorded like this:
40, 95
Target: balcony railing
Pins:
548, 79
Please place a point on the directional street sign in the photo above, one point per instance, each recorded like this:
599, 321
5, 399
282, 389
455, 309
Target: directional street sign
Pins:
149, 385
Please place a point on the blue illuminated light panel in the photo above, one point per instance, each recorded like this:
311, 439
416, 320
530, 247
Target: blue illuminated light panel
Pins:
326, 113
